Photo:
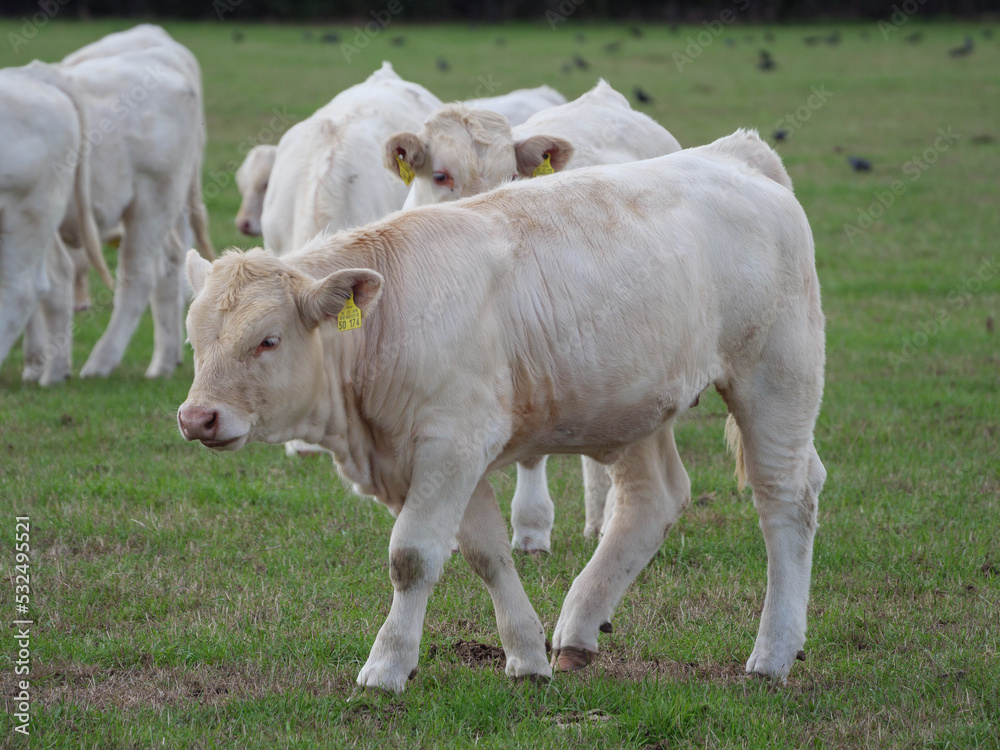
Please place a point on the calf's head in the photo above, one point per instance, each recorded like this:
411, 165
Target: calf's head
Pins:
251, 180
464, 151
259, 360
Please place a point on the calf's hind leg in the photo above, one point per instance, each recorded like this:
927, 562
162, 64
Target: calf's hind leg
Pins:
651, 489
786, 475
775, 406
531, 511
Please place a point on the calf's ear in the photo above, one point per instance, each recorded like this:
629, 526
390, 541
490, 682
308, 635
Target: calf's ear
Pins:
324, 299
530, 153
405, 147
197, 267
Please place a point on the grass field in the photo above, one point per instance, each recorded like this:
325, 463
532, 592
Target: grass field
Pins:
183, 598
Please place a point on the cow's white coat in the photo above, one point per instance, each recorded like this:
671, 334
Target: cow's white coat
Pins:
42, 122
583, 314
475, 151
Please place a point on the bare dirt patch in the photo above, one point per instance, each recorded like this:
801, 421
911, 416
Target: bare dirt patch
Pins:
148, 686
480, 655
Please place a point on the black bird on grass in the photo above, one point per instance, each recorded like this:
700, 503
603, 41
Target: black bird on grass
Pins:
330, 37
964, 50
642, 96
613, 47
766, 62
780, 134
579, 62
811, 41
442, 64
859, 164
398, 41
580, 38
915, 37
636, 32
834, 39
238, 36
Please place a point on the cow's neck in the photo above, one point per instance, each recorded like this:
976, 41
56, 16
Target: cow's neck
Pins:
352, 368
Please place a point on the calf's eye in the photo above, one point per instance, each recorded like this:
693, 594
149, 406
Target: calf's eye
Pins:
443, 178
266, 345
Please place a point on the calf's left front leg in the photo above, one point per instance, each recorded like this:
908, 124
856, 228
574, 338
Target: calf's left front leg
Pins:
420, 543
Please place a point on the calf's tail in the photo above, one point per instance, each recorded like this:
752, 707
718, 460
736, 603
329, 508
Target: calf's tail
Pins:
734, 441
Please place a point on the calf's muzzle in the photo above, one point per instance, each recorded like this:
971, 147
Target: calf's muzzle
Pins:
197, 423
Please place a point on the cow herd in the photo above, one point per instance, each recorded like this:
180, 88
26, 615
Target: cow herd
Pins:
443, 290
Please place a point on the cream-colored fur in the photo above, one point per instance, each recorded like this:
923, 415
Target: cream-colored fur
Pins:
578, 314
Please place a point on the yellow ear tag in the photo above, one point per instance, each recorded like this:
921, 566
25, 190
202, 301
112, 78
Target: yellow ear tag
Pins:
350, 316
405, 170
545, 167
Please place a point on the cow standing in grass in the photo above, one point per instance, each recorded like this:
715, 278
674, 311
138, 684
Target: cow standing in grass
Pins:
461, 152
194, 218
142, 90
42, 120
579, 314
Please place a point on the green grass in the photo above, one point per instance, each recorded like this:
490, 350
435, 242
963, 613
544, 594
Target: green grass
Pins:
185, 598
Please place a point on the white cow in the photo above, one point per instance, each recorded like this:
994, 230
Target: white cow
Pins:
462, 152
520, 104
147, 152
195, 218
327, 172
40, 122
253, 176
582, 313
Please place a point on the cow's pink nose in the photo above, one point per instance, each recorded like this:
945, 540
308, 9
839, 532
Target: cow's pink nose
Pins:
197, 423
244, 226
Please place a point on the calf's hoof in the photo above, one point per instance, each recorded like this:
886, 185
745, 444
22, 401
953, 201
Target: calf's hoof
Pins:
571, 658
531, 545
764, 663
